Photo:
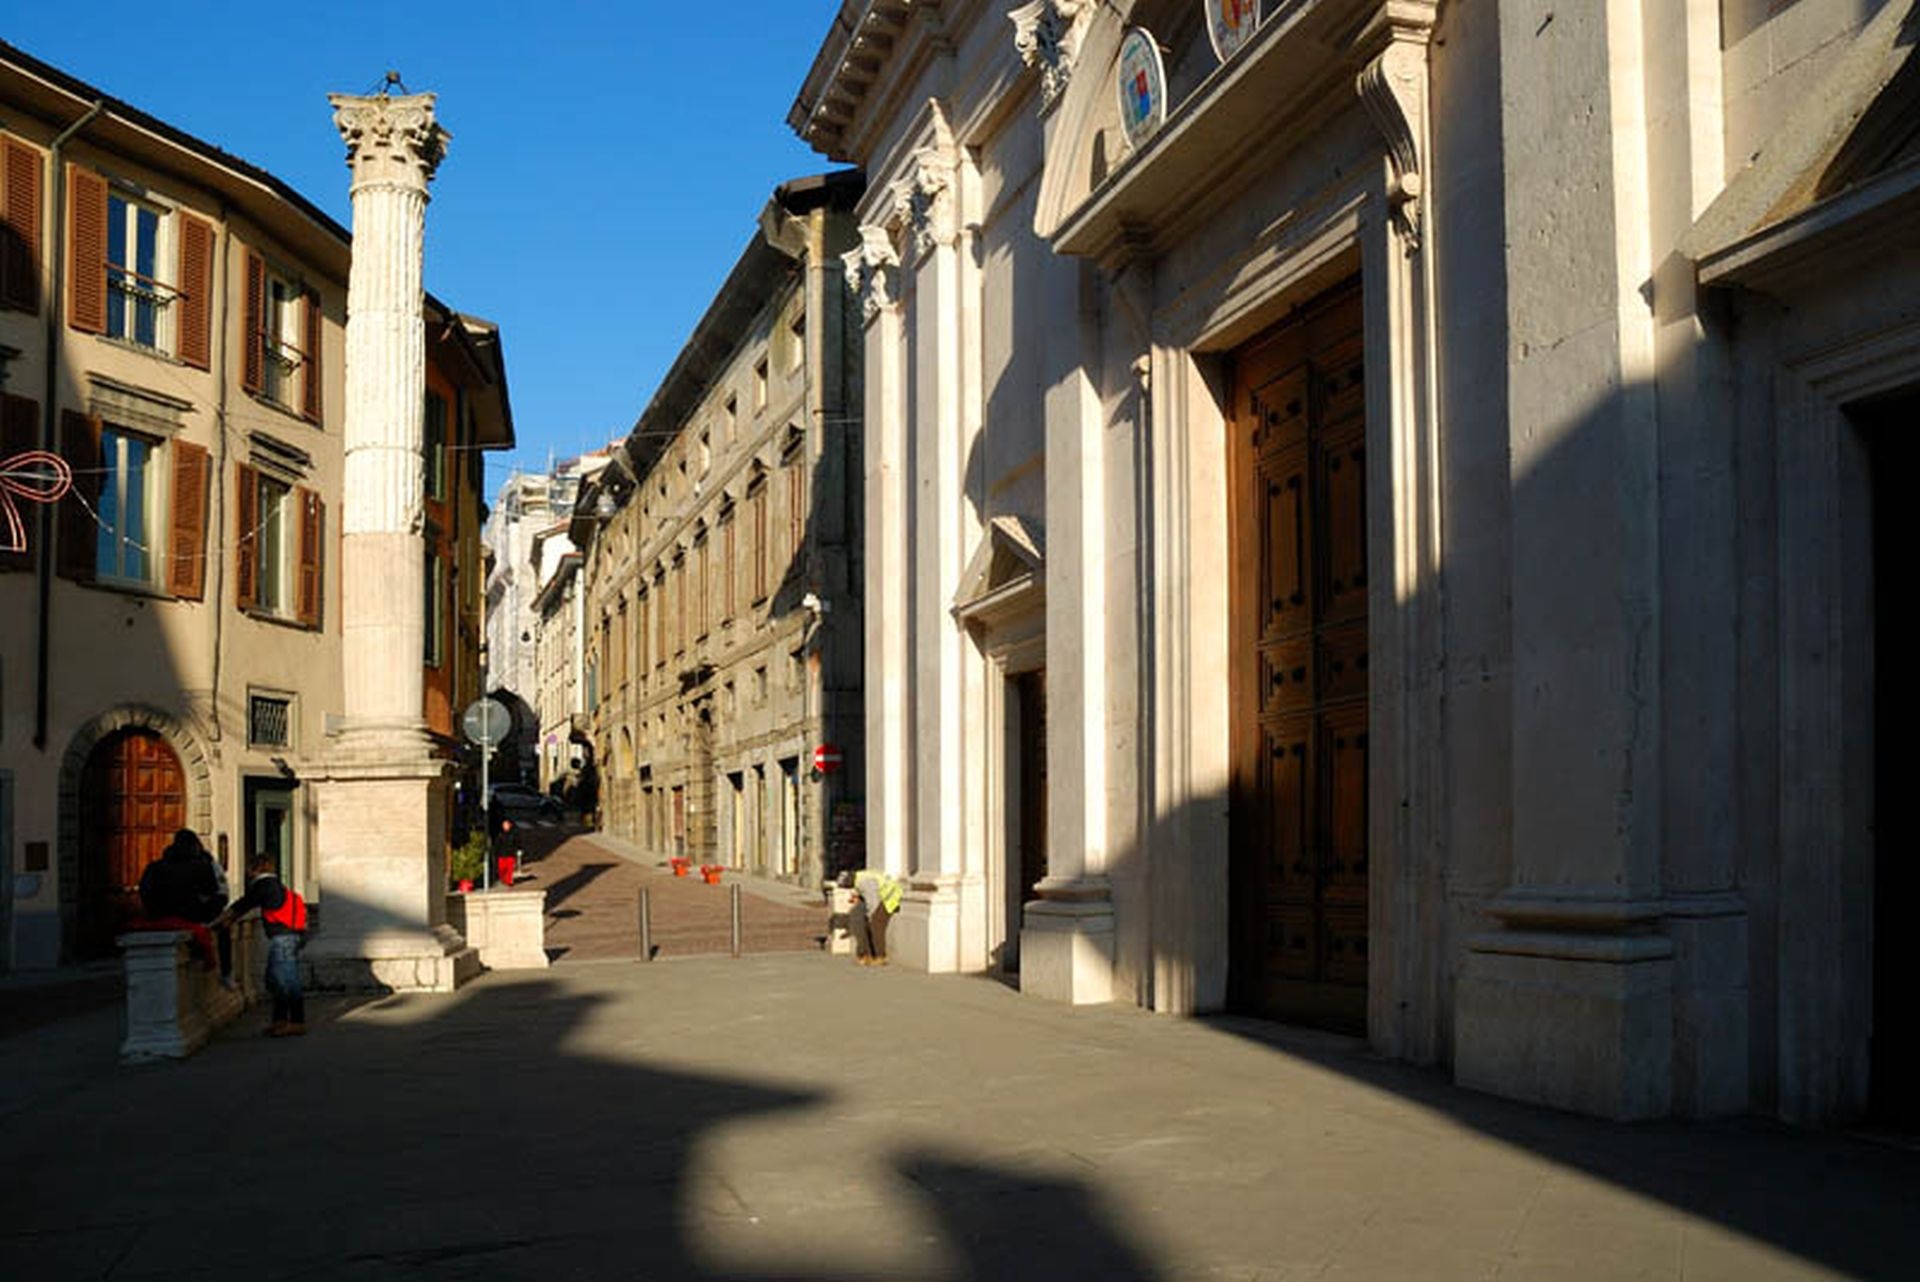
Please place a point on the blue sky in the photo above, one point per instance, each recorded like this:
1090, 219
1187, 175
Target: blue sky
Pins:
607, 161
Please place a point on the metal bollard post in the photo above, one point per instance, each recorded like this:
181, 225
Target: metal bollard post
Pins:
646, 925
735, 888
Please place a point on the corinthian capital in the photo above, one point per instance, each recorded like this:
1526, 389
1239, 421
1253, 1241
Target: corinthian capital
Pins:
871, 266
390, 139
923, 199
1046, 33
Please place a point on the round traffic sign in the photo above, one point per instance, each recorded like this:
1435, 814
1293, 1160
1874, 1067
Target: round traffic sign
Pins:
487, 722
828, 758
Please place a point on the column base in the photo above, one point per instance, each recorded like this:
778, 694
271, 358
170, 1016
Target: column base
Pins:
393, 961
1571, 1020
925, 935
1066, 951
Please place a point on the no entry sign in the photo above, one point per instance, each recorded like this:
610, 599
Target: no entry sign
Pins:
828, 758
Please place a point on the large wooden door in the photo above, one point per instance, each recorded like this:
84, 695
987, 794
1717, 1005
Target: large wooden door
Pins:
133, 799
1298, 655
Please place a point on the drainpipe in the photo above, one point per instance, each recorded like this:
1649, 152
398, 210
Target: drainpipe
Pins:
50, 417
217, 483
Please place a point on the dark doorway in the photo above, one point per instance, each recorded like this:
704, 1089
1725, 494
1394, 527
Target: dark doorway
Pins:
1026, 767
133, 798
270, 825
1298, 667
1893, 444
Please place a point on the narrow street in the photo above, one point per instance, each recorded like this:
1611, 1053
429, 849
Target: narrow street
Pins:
593, 885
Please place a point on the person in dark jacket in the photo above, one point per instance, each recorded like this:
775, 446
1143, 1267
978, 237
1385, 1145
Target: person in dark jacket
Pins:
283, 920
181, 889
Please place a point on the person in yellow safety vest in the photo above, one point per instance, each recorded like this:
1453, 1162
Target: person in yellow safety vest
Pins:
876, 898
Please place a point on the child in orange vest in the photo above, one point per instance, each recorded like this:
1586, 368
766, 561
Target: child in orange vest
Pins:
283, 917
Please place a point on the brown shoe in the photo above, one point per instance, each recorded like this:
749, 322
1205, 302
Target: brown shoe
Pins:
278, 1028
294, 1029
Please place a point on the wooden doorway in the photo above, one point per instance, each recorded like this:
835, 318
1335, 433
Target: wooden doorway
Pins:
133, 798
1298, 667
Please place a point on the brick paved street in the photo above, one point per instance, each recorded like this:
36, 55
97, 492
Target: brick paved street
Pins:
593, 884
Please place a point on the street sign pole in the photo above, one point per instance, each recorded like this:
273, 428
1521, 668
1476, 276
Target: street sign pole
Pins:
486, 723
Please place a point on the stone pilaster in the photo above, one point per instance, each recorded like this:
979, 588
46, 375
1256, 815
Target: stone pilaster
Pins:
381, 794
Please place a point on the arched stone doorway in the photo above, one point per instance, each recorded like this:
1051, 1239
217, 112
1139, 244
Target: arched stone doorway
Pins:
133, 798
131, 772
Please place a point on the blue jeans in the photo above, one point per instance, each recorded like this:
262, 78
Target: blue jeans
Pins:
283, 979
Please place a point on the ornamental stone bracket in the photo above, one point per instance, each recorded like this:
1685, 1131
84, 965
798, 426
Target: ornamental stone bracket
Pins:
923, 203
1393, 88
390, 139
1046, 34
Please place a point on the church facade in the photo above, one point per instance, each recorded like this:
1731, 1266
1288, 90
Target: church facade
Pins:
1371, 521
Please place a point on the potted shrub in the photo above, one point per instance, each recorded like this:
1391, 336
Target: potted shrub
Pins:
464, 864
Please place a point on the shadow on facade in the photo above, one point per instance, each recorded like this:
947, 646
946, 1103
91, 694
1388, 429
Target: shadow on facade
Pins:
474, 1142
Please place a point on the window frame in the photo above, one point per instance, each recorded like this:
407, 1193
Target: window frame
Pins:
286, 539
160, 294
153, 508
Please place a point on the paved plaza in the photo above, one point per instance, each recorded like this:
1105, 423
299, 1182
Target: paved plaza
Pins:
793, 1116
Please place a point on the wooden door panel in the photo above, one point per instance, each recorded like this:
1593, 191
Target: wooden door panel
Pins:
1298, 654
1344, 490
133, 801
1286, 546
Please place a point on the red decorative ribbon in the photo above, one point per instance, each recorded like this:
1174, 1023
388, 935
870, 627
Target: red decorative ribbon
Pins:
36, 476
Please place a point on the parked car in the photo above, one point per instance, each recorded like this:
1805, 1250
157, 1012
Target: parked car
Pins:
517, 801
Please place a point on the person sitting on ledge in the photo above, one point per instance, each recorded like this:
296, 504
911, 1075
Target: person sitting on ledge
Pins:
180, 891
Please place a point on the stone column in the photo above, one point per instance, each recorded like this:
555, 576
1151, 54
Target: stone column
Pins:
382, 794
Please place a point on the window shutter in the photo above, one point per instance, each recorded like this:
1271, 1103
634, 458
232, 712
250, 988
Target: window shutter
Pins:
20, 233
313, 526
79, 532
246, 544
196, 291
253, 327
310, 385
187, 548
19, 432
87, 251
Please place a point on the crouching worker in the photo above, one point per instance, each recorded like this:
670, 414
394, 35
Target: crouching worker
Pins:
876, 898
283, 918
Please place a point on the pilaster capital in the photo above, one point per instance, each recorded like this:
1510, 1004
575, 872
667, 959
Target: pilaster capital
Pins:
1046, 34
872, 267
390, 139
923, 203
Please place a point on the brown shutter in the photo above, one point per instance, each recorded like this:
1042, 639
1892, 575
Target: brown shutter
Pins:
246, 544
253, 327
79, 530
196, 291
87, 251
187, 549
313, 526
20, 234
19, 432
310, 385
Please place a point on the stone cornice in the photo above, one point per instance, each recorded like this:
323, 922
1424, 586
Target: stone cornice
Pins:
390, 139
1046, 34
871, 43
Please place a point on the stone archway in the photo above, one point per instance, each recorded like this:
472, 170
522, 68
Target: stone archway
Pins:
194, 765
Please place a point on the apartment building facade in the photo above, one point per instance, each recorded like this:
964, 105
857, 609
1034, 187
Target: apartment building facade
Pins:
173, 329
722, 573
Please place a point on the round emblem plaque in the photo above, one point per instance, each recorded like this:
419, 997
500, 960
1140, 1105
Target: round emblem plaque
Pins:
1143, 86
1230, 24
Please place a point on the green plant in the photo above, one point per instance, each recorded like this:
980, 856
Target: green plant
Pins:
466, 861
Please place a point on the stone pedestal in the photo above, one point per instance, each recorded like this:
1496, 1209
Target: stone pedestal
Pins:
382, 916
1572, 1020
1066, 951
507, 928
174, 999
925, 933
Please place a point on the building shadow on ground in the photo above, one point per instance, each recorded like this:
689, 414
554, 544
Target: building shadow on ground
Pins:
471, 1137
